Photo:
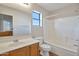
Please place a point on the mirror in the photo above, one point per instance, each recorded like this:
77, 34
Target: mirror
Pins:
6, 25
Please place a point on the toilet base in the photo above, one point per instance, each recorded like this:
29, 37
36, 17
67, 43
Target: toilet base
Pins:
44, 53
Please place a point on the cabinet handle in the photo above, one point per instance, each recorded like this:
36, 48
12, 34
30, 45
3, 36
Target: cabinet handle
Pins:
76, 45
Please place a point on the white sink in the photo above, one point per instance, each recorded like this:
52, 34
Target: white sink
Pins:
16, 44
7, 45
11, 43
26, 40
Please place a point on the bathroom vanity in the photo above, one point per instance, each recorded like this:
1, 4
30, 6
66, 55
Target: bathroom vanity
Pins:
25, 47
31, 50
9, 46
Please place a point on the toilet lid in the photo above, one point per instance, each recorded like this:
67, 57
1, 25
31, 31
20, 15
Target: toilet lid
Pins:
45, 46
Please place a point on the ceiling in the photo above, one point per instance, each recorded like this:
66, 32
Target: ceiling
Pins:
53, 6
17, 6
48, 6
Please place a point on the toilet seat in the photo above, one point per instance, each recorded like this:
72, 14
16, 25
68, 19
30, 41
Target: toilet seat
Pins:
45, 47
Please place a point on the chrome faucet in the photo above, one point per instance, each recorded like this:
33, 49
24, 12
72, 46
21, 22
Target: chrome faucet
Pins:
15, 40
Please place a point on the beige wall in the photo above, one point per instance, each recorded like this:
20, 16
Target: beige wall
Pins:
36, 30
50, 33
21, 20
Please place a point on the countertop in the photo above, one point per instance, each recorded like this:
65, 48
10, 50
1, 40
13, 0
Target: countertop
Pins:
7, 45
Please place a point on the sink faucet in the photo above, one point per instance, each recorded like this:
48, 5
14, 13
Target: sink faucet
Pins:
15, 39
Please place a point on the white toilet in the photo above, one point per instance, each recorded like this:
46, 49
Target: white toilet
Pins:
45, 48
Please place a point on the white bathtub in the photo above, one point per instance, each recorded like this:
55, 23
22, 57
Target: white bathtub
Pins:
62, 50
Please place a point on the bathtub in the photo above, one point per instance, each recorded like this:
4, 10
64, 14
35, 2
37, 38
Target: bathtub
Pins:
62, 50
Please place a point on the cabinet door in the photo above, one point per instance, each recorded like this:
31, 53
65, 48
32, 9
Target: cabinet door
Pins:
27, 51
20, 52
34, 49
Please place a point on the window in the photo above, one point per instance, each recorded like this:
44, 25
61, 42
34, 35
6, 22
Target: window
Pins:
36, 18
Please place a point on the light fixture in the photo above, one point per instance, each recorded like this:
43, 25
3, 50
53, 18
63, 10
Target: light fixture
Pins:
27, 3
24, 4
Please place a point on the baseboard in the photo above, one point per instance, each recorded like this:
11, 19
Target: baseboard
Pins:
52, 54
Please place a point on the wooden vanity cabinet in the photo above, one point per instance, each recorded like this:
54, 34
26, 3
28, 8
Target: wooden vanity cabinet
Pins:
34, 49
31, 50
6, 33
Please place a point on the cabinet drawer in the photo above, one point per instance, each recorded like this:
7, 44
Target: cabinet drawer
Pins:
20, 52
